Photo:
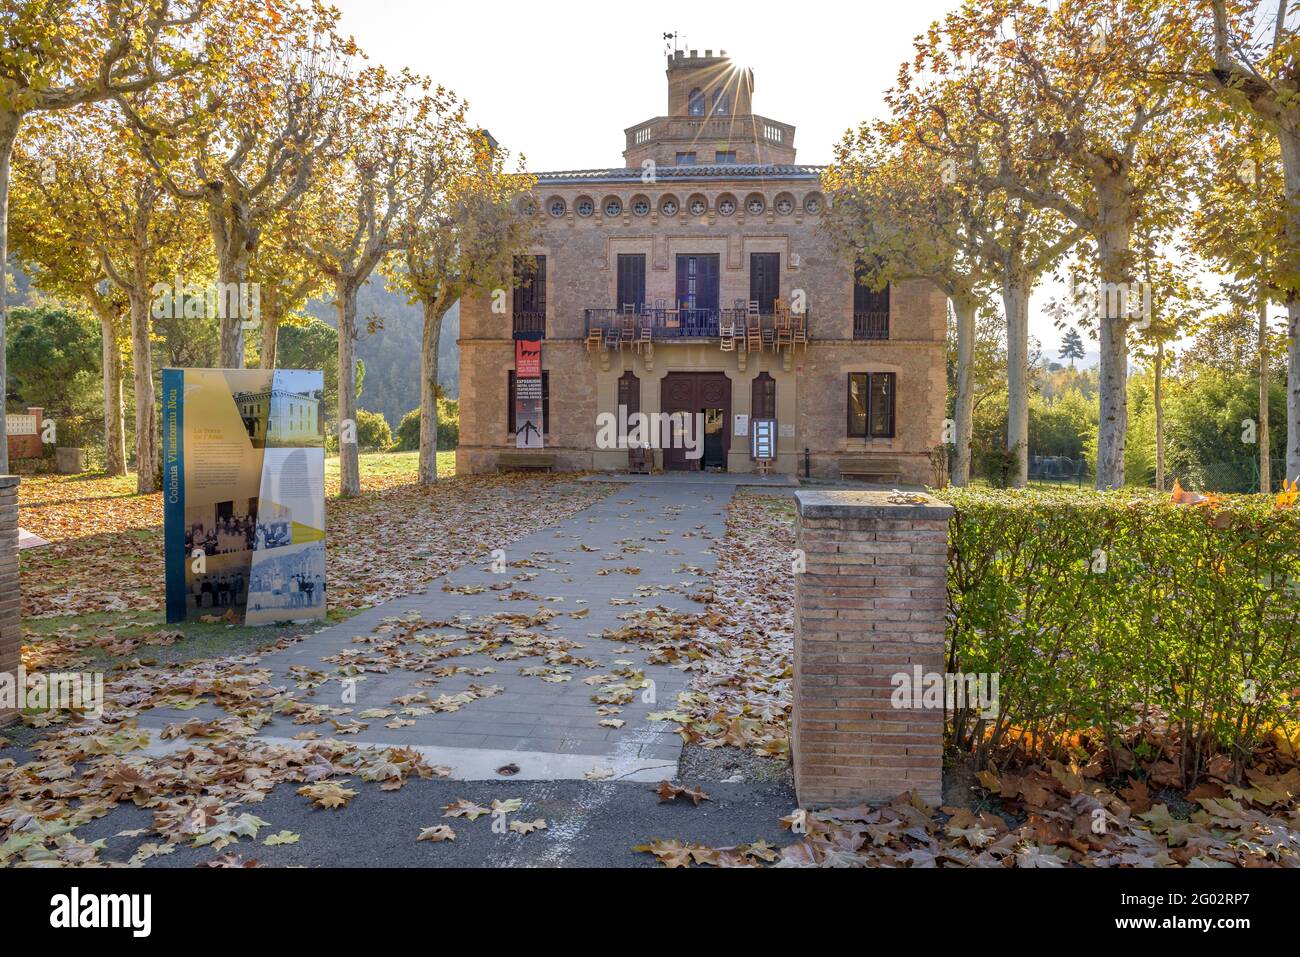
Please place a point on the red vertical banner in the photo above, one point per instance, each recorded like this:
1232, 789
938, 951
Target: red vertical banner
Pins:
529, 426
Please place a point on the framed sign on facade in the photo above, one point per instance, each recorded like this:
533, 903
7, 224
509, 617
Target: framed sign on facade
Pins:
763, 440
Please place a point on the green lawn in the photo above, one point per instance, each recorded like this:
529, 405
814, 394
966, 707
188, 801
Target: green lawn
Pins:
383, 469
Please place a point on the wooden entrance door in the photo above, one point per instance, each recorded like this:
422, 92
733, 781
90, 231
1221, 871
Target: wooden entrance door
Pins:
693, 393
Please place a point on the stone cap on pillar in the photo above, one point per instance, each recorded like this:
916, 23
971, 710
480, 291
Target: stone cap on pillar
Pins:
851, 503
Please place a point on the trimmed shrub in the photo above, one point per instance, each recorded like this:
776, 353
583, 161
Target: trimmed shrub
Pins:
408, 430
373, 432
1109, 612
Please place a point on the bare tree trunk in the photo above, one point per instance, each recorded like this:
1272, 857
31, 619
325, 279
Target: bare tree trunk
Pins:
270, 337
231, 273
345, 301
1261, 432
146, 426
964, 406
1113, 298
433, 314
1290, 143
234, 244
114, 405
1015, 301
1159, 400
8, 135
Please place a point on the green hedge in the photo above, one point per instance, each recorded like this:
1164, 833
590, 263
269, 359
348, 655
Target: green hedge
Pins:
408, 430
1125, 614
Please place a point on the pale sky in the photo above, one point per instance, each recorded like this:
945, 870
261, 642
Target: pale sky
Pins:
559, 82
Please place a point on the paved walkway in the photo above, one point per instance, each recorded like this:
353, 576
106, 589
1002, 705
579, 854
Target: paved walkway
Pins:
549, 730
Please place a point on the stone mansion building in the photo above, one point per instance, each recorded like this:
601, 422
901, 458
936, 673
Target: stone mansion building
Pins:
695, 278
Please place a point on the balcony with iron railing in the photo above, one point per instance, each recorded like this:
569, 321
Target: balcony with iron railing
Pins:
530, 324
664, 324
871, 325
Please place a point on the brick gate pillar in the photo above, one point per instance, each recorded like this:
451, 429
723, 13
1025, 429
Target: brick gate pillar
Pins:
870, 604
11, 632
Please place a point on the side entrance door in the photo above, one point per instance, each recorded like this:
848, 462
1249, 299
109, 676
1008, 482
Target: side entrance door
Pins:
699, 393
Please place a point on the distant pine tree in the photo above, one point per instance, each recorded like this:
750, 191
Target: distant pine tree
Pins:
1071, 346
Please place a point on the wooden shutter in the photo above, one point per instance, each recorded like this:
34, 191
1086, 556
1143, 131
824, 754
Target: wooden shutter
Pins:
763, 397
631, 280
857, 410
764, 279
882, 405
706, 290
629, 392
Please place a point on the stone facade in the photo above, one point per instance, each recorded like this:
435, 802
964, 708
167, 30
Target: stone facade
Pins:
870, 605
588, 219
10, 628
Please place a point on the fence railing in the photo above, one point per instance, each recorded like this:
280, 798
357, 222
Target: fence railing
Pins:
871, 325
665, 323
530, 322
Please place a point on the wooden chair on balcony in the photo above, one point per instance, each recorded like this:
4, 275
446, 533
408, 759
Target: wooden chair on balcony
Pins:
727, 331
595, 337
627, 330
799, 332
672, 317
644, 338
784, 337
612, 339
753, 328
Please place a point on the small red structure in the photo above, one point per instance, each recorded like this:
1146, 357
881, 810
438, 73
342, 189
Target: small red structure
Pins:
24, 432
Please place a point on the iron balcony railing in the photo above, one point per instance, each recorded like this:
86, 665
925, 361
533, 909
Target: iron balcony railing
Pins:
530, 322
684, 323
871, 325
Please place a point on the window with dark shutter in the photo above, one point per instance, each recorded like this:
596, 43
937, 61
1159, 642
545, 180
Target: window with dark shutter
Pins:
631, 281
629, 392
871, 404
882, 405
546, 402
697, 281
764, 279
763, 397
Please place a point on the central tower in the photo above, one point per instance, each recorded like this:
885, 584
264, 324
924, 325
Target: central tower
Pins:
710, 119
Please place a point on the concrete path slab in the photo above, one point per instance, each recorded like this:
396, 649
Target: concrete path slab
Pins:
721, 480
550, 730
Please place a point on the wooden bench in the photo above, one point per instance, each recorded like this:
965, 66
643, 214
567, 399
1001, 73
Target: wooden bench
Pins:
871, 469
518, 461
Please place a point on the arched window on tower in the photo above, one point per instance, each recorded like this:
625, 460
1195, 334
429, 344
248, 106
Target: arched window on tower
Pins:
695, 102
721, 103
